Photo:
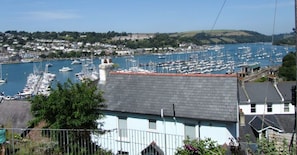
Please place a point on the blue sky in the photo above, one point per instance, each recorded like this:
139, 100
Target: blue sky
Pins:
146, 16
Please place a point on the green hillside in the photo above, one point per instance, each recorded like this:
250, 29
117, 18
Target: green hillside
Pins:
224, 36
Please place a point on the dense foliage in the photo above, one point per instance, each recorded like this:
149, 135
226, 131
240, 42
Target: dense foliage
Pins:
284, 39
69, 106
161, 40
288, 69
228, 37
205, 147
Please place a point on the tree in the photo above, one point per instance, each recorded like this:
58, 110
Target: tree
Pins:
288, 69
69, 106
72, 106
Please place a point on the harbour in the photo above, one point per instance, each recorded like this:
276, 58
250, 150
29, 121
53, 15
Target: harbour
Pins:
222, 60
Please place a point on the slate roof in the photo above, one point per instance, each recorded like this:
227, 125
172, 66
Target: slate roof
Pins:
284, 122
243, 97
196, 96
262, 123
285, 89
15, 113
257, 91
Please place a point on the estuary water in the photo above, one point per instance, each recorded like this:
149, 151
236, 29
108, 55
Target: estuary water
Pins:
232, 54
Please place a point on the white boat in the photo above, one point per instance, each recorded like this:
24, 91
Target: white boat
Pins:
75, 62
65, 69
1, 79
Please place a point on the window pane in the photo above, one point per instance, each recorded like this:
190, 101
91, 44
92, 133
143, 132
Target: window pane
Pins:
190, 131
269, 107
152, 124
286, 107
123, 127
253, 107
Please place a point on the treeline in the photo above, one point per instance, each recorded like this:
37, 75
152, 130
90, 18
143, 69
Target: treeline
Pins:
229, 37
90, 37
284, 39
202, 38
287, 71
160, 39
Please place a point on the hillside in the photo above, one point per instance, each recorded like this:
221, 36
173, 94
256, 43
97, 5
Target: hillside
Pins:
284, 39
224, 36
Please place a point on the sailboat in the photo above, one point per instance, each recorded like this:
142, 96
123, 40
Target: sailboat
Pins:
1, 79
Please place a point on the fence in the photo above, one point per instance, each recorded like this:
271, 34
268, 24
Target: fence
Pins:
90, 142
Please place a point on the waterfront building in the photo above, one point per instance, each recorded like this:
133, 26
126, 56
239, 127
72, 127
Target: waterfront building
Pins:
188, 105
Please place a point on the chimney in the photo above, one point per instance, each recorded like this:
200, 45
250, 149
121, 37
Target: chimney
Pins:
241, 118
104, 68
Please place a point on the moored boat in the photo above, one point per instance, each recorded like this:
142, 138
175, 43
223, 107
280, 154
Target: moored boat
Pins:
65, 69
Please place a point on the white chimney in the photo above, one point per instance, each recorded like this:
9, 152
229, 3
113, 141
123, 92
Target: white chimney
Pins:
104, 68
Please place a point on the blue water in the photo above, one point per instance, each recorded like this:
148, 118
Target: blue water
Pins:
264, 53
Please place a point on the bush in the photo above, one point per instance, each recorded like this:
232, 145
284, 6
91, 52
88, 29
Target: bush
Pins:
197, 147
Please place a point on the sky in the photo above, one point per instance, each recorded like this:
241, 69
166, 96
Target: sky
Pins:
147, 16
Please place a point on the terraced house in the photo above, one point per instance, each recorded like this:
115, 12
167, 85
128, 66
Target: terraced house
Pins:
175, 105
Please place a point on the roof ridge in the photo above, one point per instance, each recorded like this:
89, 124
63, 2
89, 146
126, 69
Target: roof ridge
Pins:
173, 74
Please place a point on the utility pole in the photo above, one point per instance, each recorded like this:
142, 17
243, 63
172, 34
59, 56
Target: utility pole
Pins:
296, 71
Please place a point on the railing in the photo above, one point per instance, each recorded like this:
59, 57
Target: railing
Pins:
89, 142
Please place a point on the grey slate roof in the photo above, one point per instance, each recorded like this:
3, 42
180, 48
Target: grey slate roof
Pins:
285, 122
257, 92
285, 89
199, 96
15, 113
261, 123
243, 98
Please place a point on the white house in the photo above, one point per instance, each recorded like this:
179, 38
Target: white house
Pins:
163, 109
258, 98
265, 107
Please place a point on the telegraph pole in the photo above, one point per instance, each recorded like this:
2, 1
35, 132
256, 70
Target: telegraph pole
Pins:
296, 71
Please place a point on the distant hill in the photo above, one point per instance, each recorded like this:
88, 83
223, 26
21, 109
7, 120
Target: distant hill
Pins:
224, 36
284, 39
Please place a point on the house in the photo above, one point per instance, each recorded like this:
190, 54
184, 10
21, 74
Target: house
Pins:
258, 98
184, 105
266, 110
15, 113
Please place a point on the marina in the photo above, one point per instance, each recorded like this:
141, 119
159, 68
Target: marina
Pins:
218, 59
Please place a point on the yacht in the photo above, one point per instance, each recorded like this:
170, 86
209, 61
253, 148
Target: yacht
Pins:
75, 62
65, 69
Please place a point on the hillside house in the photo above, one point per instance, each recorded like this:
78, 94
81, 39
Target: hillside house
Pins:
188, 105
266, 110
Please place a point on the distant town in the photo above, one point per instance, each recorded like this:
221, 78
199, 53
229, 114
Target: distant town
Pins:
28, 47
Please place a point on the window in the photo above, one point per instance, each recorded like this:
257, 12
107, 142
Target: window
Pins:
123, 127
286, 107
190, 131
152, 124
269, 107
253, 108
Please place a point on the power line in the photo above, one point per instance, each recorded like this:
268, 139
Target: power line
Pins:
275, 7
214, 24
